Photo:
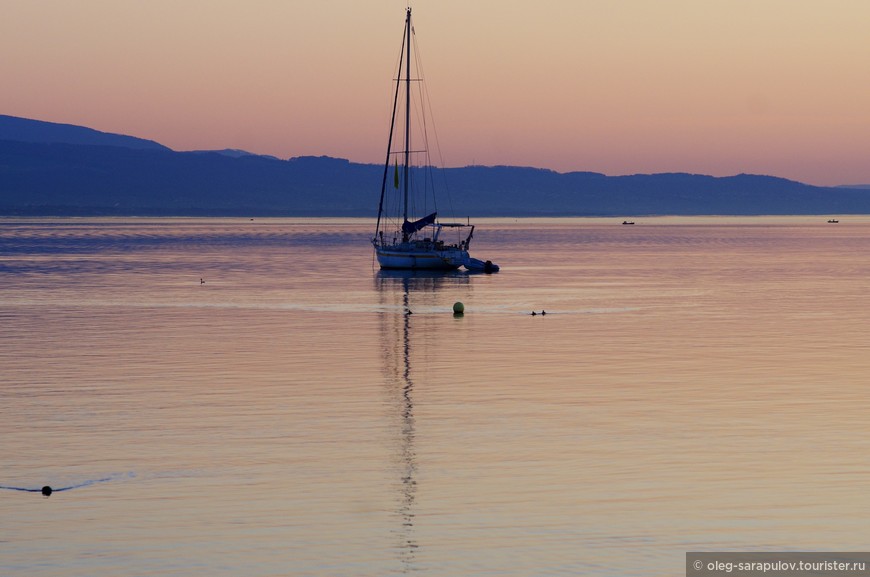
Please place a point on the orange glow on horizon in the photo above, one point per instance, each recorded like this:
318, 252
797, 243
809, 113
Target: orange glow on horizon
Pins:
720, 87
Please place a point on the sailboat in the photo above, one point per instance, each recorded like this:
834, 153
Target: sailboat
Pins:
402, 240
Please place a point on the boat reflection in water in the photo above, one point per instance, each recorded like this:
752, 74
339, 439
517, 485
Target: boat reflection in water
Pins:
400, 292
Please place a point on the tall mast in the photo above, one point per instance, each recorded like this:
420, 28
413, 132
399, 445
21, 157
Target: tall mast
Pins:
390, 139
407, 117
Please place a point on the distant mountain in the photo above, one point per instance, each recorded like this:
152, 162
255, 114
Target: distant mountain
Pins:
26, 130
76, 171
234, 153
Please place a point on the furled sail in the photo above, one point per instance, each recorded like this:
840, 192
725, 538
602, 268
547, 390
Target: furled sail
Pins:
409, 228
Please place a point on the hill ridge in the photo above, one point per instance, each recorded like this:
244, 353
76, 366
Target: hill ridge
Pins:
130, 176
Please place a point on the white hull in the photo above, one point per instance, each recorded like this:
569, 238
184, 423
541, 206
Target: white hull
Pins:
421, 259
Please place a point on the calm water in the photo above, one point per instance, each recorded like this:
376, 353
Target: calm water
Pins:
697, 384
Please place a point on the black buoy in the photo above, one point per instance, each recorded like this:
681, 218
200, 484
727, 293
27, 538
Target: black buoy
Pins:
46, 491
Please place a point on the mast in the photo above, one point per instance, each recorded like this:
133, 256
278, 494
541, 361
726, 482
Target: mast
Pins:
407, 119
390, 139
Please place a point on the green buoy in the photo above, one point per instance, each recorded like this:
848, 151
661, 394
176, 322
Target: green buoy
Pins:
458, 308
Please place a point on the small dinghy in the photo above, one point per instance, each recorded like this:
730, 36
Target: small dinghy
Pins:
477, 265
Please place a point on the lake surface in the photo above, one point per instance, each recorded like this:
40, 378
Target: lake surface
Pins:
696, 384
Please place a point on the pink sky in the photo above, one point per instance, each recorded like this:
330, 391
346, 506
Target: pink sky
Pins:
717, 87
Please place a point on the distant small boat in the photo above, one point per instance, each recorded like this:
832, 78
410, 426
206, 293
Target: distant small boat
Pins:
627, 222
833, 221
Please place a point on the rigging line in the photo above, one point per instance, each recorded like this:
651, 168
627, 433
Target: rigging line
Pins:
390, 138
428, 103
423, 106
420, 116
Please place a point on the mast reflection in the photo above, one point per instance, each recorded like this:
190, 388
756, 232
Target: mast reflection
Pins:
398, 322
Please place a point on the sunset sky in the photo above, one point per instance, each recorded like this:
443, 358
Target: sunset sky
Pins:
721, 87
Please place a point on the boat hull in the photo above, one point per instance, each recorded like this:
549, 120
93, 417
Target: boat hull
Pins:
421, 259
